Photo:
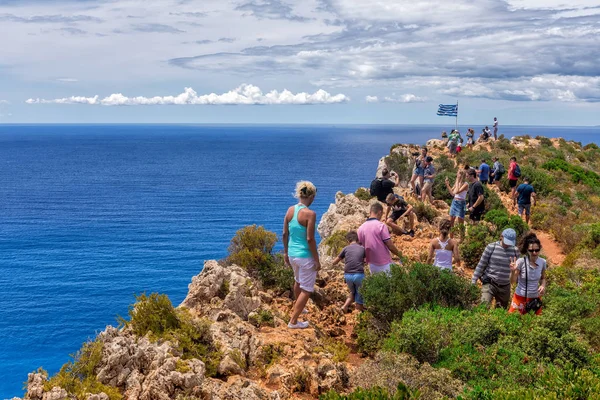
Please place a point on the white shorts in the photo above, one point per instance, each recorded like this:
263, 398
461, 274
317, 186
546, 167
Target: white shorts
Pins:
376, 269
304, 272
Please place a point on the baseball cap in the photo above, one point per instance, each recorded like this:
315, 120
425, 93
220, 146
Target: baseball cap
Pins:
509, 237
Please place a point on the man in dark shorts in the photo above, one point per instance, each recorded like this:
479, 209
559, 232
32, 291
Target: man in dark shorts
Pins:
475, 197
383, 186
400, 209
525, 194
497, 171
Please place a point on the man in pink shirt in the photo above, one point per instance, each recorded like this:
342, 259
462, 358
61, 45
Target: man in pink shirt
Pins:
375, 237
514, 172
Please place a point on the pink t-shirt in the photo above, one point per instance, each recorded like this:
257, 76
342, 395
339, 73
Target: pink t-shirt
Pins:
511, 170
372, 235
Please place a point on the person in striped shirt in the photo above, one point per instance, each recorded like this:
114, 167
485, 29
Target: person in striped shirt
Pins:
494, 269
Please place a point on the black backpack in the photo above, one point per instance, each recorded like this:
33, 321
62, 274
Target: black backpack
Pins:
376, 186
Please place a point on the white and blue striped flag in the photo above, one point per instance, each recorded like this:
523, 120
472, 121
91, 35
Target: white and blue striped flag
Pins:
448, 110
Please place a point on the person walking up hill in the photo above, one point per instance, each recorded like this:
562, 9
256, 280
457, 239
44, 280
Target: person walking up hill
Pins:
375, 236
529, 273
494, 269
514, 173
300, 248
443, 251
354, 271
525, 193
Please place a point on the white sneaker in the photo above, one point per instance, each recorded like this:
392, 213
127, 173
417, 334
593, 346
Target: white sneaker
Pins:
298, 325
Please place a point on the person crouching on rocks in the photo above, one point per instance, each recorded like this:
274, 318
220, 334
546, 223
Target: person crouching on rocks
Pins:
354, 270
300, 249
443, 251
400, 209
529, 273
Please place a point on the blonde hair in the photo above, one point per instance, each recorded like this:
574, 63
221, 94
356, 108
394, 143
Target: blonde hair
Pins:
461, 177
304, 189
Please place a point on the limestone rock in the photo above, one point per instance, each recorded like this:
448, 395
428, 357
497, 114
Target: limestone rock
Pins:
35, 386
236, 388
241, 297
347, 213
56, 393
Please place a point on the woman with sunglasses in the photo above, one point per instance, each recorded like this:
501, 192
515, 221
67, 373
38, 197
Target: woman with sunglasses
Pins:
300, 248
529, 273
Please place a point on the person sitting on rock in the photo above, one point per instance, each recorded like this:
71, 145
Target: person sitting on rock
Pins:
300, 249
443, 251
354, 270
375, 236
383, 186
400, 209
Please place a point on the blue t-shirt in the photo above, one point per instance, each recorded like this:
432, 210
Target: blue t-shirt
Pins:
525, 190
484, 175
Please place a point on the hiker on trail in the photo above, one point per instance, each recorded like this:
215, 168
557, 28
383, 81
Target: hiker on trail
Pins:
453, 141
400, 209
418, 171
470, 135
354, 270
495, 128
529, 273
497, 172
300, 249
429, 177
525, 193
385, 185
514, 173
494, 269
484, 172
375, 236
443, 251
475, 197
459, 202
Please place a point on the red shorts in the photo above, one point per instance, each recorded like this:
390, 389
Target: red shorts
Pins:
518, 304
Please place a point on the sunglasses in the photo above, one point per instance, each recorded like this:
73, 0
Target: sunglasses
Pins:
534, 250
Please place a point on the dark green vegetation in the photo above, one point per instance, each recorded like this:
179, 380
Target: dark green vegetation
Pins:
156, 315
252, 249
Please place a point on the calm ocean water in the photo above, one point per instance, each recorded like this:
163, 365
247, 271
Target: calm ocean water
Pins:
91, 214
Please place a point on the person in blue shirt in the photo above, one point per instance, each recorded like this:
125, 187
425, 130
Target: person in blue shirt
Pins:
484, 172
524, 195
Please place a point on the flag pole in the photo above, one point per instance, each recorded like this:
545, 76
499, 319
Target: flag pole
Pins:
457, 115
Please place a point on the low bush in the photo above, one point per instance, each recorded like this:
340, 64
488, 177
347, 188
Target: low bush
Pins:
363, 194
401, 164
544, 141
492, 200
501, 220
336, 348
389, 296
78, 376
440, 191
542, 182
252, 249
578, 174
261, 318
155, 315
370, 333
444, 164
374, 393
476, 239
424, 211
336, 242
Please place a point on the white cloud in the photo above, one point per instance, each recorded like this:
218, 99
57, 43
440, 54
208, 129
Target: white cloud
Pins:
67, 80
371, 99
243, 95
4, 102
405, 98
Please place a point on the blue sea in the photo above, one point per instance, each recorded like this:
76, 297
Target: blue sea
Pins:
92, 214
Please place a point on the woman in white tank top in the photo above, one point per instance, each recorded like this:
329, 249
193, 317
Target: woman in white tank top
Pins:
443, 251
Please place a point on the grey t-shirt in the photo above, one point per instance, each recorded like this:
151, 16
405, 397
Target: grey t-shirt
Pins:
353, 256
534, 274
429, 170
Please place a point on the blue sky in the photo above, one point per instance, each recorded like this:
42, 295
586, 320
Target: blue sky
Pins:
311, 61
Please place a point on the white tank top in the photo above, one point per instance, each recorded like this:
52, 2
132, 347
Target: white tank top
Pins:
461, 196
443, 257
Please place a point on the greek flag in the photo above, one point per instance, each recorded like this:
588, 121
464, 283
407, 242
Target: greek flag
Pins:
448, 110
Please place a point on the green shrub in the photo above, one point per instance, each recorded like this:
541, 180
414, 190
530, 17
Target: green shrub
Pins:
269, 354
399, 163
388, 296
578, 174
251, 248
424, 212
501, 220
476, 239
591, 146
336, 242
335, 347
540, 180
374, 393
544, 141
261, 318
492, 200
440, 191
444, 164
363, 194
78, 376
504, 144
155, 314
370, 333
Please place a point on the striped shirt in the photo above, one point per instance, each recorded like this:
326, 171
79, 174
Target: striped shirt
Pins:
495, 263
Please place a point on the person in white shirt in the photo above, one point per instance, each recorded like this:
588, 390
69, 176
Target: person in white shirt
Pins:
495, 128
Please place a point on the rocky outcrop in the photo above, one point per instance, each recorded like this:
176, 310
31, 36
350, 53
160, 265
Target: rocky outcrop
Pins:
347, 213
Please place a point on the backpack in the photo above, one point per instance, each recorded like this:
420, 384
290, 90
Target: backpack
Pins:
517, 171
501, 169
417, 189
376, 186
